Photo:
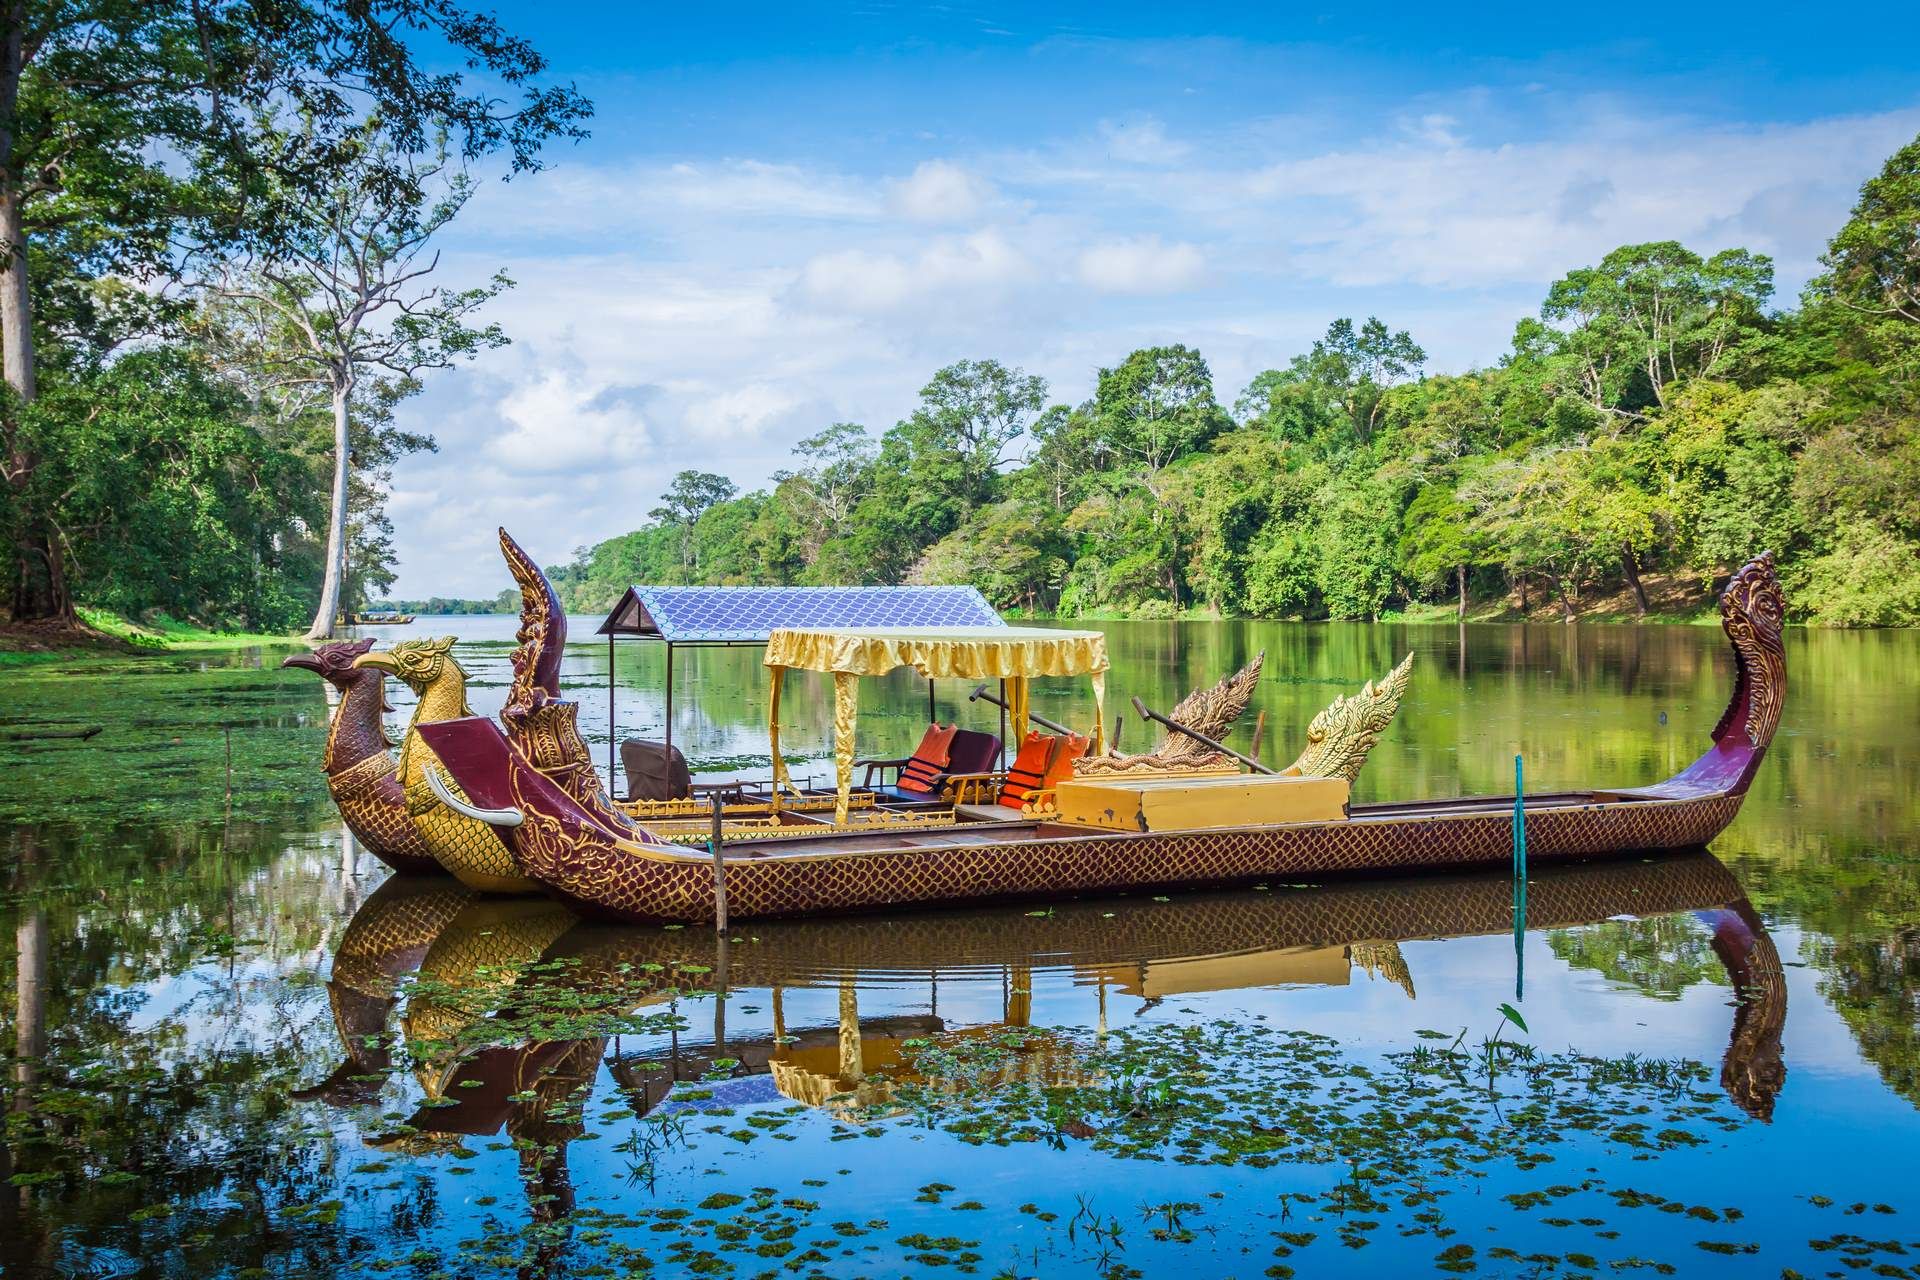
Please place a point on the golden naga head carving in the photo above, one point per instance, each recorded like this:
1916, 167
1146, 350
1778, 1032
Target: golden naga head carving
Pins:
1339, 738
418, 662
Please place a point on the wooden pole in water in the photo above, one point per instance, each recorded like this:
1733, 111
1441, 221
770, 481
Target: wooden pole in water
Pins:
1519, 874
715, 843
613, 735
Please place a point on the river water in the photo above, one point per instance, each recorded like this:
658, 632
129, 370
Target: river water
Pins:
237, 1049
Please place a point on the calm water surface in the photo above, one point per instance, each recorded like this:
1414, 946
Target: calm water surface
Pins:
238, 1048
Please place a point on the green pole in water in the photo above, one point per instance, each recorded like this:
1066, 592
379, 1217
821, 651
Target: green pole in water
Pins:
1519, 875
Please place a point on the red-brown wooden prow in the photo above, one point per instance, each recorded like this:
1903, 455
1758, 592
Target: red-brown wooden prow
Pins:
359, 760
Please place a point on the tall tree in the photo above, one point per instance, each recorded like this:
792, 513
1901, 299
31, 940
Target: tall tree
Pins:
1650, 315
688, 498
1157, 405
977, 410
345, 305
131, 120
1873, 264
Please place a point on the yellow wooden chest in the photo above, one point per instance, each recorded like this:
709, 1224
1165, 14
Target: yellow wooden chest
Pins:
1199, 803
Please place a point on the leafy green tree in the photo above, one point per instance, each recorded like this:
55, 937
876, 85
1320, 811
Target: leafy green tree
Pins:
166, 496
686, 500
1870, 578
1440, 540
1873, 265
1648, 316
345, 305
127, 144
1356, 539
1157, 406
976, 410
838, 473
1011, 551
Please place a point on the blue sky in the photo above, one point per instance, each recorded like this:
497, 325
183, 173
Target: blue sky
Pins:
790, 216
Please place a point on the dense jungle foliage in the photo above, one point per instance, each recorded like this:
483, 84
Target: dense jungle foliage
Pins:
214, 218
1657, 423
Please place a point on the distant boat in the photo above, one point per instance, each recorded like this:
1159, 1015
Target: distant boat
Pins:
379, 618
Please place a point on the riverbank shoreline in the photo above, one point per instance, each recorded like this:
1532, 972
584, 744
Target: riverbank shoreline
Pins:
101, 633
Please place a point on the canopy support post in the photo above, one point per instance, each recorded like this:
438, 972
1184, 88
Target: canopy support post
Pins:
667, 719
933, 716
1003, 724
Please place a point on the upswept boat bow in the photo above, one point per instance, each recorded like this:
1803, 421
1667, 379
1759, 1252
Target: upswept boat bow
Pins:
361, 774
632, 875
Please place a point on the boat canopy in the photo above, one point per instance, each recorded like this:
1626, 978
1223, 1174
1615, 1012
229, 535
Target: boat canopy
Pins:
682, 616
1012, 654
748, 615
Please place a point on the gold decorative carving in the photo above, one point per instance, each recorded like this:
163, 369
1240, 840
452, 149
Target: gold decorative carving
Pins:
1211, 711
1339, 738
468, 849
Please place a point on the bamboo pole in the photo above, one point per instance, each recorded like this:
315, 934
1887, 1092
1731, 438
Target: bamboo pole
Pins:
1148, 713
980, 694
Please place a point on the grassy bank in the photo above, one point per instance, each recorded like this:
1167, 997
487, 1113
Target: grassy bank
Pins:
101, 631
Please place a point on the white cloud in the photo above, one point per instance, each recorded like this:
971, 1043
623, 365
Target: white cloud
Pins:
740, 412
1440, 214
1142, 264
1142, 141
940, 191
965, 268
562, 421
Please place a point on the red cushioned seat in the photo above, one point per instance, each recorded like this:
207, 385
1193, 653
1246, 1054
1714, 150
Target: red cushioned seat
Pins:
930, 759
1029, 768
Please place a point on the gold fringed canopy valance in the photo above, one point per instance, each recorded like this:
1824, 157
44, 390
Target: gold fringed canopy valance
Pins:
1013, 654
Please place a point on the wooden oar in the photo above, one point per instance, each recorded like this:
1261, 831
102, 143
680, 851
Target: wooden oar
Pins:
980, 694
1148, 713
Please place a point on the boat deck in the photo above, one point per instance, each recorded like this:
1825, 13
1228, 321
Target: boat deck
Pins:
970, 830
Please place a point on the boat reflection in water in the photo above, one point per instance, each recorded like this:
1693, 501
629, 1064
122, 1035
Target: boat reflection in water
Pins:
478, 957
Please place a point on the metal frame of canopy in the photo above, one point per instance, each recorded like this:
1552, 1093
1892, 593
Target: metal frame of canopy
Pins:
735, 617
1015, 655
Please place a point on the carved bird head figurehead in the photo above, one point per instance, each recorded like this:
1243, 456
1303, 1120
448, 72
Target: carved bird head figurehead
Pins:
421, 663
335, 662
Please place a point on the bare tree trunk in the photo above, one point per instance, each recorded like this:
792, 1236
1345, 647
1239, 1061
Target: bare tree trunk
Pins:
330, 587
1460, 579
16, 309
1566, 601
1631, 564
1520, 581
39, 591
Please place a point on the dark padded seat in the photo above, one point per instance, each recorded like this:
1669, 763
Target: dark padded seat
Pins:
971, 752
654, 771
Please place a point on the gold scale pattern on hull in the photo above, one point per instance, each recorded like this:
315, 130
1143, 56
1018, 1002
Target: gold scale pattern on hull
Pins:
608, 879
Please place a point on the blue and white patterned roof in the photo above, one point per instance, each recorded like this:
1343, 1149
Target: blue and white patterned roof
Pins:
684, 615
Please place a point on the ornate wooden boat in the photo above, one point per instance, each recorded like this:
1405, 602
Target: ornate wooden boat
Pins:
625, 873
